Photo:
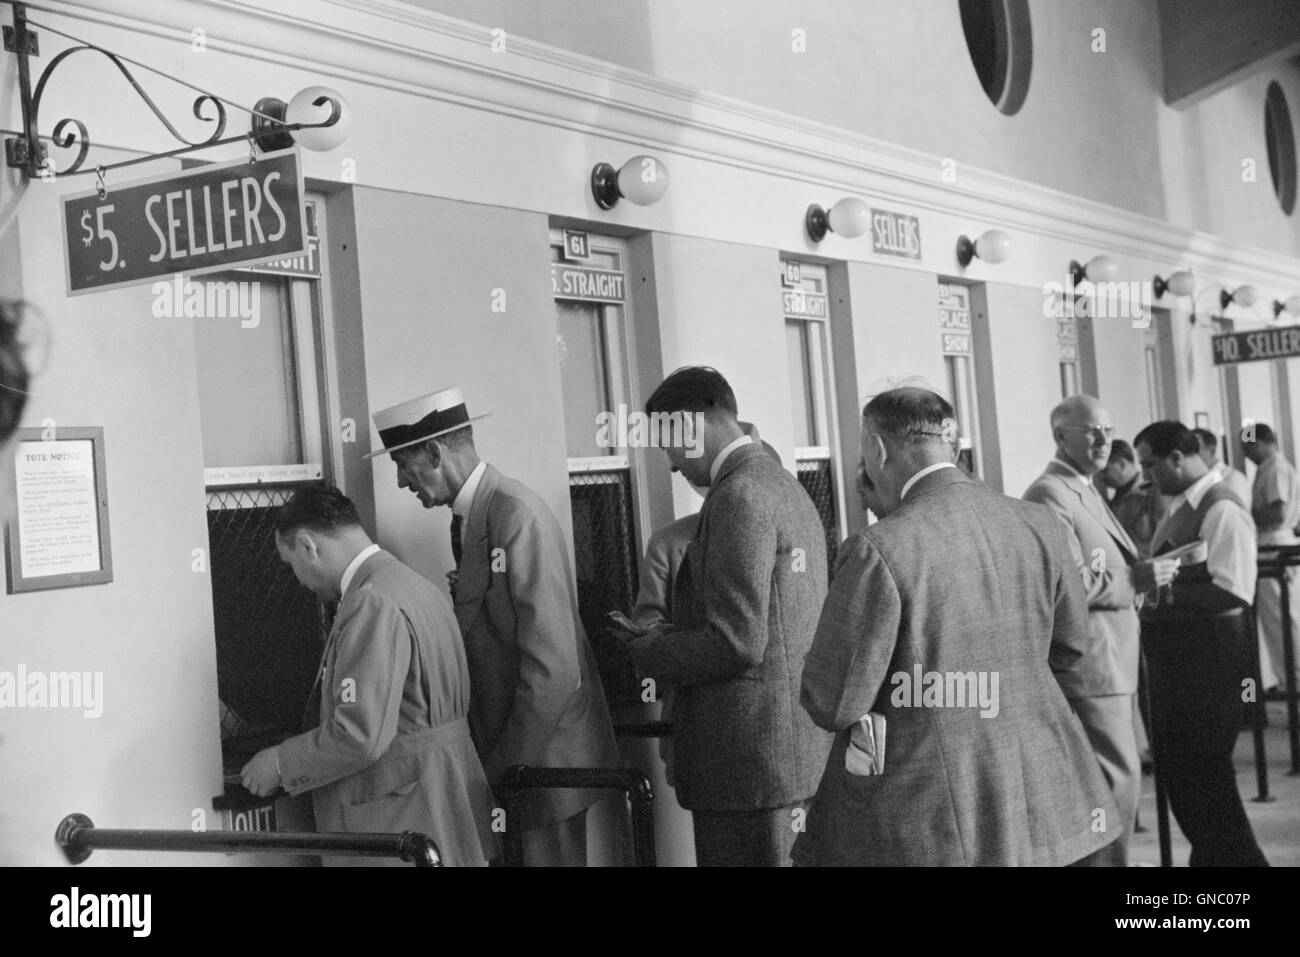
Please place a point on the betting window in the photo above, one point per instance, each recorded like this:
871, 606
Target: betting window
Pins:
1069, 379
806, 306
593, 343
261, 371
957, 340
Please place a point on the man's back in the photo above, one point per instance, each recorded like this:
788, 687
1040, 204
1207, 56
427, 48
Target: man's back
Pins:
753, 586
537, 695
1276, 481
984, 763
393, 750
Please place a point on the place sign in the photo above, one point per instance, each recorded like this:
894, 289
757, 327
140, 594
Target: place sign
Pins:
1233, 347
586, 284
199, 220
954, 319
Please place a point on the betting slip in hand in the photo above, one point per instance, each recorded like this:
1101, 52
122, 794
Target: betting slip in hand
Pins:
1190, 554
866, 751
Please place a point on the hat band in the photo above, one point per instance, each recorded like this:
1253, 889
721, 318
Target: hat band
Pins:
439, 420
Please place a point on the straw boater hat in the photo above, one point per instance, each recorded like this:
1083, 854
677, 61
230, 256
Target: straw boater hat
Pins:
419, 419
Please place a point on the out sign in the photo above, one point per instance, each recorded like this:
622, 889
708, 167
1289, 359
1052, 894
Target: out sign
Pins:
576, 247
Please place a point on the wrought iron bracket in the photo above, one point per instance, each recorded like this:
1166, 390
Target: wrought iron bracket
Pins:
28, 153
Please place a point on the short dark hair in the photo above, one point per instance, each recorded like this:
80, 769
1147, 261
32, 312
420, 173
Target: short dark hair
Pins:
911, 415
692, 389
1264, 435
1207, 438
1119, 449
318, 508
1167, 437
13, 370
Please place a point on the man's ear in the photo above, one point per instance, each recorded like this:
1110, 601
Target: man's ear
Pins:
307, 542
434, 451
880, 449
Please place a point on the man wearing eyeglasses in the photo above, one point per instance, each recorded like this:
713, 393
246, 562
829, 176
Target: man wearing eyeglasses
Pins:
1100, 686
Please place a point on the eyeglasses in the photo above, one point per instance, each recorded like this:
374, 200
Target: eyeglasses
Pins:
1105, 433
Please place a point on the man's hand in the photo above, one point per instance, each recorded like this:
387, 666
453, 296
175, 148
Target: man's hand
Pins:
1154, 573
261, 775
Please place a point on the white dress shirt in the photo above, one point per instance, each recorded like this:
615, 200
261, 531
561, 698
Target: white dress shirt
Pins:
907, 486
1229, 536
354, 566
465, 497
727, 449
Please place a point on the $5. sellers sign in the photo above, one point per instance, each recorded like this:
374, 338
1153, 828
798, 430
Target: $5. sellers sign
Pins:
200, 220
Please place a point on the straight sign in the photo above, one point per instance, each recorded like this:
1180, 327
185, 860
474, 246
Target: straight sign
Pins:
1233, 347
200, 220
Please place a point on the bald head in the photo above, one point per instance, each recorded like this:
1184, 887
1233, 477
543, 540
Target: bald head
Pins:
1082, 431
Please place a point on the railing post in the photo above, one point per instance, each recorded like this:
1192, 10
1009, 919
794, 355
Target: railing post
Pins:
1288, 662
69, 836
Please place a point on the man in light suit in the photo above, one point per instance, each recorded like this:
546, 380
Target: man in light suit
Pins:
393, 750
753, 581
947, 618
537, 697
1102, 684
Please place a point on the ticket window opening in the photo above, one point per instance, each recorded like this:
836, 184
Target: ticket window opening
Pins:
269, 629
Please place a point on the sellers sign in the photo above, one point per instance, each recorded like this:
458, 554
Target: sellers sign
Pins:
1233, 347
200, 220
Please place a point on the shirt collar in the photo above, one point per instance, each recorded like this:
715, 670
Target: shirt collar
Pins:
1193, 494
465, 497
727, 449
907, 486
354, 566
1074, 473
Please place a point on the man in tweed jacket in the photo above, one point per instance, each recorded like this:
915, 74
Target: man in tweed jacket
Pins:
947, 617
747, 601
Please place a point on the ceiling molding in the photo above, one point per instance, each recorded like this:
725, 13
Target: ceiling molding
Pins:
391, 45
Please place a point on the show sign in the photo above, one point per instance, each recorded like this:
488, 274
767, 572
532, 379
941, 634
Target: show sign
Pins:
201, 220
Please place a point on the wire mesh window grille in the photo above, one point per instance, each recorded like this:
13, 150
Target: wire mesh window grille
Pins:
818, 480
269, 628
605, 552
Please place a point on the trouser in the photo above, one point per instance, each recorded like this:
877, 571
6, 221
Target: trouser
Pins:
761, 838
562, 844
1196, 669
1268, 612
1108, 722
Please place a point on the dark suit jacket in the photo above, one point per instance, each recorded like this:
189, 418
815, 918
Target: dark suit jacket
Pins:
754, 582
959, 579
536, 695
1102, 549
393, 751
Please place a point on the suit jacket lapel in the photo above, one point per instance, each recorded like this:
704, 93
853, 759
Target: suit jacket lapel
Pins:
474, 559
1096, 507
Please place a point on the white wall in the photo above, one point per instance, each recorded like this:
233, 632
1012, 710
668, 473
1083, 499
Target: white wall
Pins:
154, 756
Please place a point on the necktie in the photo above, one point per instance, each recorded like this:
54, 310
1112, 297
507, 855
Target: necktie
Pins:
456, 522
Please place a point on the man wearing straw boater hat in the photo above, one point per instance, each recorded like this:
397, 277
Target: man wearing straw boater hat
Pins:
535, 696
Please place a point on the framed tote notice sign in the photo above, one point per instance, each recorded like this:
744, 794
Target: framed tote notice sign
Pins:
59, 537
